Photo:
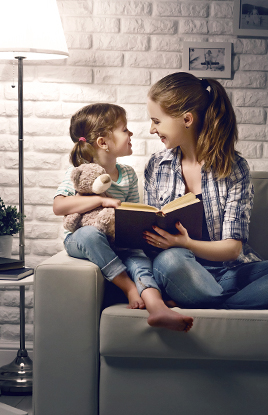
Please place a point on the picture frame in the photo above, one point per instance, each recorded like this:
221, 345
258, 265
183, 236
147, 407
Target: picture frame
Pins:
207, 59
251, 18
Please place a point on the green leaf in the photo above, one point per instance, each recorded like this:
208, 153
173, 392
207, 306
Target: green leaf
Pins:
10, 219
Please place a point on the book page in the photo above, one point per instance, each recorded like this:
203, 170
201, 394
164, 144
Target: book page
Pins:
182, 201
137, 206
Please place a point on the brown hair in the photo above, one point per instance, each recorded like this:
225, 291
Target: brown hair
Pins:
182, 92
91, 122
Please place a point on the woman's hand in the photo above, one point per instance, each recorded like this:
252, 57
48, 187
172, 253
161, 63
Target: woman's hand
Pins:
165, 240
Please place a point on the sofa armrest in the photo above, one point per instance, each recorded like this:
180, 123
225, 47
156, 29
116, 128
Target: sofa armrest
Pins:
68, 300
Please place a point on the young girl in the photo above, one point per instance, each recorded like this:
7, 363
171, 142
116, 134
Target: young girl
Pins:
196, 122
100, 134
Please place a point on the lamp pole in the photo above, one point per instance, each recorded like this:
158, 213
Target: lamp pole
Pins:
21, 159
22, 356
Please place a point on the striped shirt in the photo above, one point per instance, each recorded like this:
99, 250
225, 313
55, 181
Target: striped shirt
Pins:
227, 202
125, 189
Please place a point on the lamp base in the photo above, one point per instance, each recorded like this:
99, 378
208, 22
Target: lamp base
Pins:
16, 377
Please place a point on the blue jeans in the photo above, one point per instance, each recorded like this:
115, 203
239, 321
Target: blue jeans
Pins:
176, 273
181, 277
90, 243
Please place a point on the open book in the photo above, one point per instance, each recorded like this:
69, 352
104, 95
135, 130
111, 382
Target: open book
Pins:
132, 219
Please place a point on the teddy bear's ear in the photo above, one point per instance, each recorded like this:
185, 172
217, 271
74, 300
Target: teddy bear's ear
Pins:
75, 175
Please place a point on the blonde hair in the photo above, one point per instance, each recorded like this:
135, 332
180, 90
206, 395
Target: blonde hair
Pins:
91, 122
182, 92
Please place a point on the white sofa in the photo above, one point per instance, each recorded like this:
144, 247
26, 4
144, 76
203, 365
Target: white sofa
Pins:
93, 356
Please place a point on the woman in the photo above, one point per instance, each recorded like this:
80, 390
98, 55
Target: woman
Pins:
196, 122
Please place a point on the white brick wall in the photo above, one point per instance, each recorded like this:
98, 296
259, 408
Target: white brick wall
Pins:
118, 48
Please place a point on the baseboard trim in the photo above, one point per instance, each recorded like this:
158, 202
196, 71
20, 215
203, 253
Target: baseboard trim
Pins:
14, 345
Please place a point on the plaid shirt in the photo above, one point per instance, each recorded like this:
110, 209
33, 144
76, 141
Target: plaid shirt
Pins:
227, 202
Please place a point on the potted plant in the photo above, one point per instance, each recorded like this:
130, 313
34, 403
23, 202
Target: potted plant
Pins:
10, 224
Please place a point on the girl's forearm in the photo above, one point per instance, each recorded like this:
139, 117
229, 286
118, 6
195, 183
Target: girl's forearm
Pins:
66, 205
224, 250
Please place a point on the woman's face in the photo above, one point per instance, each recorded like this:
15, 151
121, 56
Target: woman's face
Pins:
171, 131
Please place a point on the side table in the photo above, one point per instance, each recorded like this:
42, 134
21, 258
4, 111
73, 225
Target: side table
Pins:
16, 377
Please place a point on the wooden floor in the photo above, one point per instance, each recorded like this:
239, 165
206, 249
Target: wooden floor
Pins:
20, 402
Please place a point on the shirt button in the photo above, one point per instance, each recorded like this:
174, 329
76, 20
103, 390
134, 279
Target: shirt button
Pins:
179, 195
161, 198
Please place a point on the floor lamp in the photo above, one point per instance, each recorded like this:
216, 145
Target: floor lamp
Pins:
29, 30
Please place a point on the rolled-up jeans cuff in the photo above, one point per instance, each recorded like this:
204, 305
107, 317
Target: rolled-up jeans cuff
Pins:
141, 286
114, 268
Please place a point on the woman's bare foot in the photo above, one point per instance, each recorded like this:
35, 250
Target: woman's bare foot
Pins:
170, 319
134, 299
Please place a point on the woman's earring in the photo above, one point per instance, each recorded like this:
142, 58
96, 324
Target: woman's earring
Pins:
107, 149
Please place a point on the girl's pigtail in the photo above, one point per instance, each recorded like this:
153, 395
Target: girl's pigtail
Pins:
216, 142
82, 152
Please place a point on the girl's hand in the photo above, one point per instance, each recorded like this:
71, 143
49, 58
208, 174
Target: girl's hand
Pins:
165, 240
110, 202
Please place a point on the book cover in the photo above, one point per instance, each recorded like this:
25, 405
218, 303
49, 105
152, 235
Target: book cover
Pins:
131, 221
16, 274
8, 263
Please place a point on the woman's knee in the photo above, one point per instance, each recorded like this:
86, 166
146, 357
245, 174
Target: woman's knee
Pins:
184, 279
173, 259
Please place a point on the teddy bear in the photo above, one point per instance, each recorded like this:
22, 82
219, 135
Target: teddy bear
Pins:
90, 179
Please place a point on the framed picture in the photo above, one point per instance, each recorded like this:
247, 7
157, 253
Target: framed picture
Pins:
251, 18
207, 59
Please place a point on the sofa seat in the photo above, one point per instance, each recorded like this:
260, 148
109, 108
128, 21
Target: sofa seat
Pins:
218, 368
216, 334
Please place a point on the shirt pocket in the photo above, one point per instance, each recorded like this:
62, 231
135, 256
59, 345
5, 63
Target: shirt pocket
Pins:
163, 197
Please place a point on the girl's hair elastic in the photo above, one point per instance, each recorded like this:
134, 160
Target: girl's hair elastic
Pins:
82, 139
204, 83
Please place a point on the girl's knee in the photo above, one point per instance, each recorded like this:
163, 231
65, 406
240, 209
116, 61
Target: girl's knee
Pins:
89, 232
89, 239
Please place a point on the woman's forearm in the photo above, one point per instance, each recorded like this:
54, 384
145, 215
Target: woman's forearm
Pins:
224, 250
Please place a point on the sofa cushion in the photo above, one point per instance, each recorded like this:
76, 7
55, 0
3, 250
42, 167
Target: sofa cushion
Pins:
216, 334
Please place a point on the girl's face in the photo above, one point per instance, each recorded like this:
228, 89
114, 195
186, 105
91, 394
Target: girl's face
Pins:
120, 142
170, 130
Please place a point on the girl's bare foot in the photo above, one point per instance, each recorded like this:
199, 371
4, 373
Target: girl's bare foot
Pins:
170, 319
129, 289
134, 299
162, 316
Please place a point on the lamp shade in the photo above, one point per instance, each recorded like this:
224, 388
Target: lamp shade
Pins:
31, 29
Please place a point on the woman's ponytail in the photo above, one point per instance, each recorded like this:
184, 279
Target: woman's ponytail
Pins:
217, 138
